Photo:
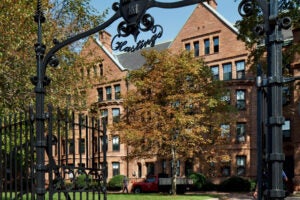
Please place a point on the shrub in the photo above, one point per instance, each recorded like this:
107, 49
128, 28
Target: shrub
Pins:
235, 184
199, 180
209, 186
82, 181
115, 183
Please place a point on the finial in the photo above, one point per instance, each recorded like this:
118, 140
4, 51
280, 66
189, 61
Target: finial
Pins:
39, 14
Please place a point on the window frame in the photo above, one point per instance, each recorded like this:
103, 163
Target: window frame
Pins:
241, 99
196, 48
116, 143
100, 94
216, 76
206, 46
108, 93
187, 46
216, 41
241, 132
116, 118
240, 72
241, 163
227, 71
81, 145
115, 168
117, 89
286, 128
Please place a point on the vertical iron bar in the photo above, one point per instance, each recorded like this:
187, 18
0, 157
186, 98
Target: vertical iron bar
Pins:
24, 179
32, 155
105, 170
1, 160
40, 120
11, 177
274, 50
259, 132
5, 157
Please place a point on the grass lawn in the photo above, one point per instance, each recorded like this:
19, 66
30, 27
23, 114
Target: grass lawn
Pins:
87, 196
158, 197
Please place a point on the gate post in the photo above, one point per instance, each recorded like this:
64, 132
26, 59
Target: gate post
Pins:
272, 30
40, 81
134, 14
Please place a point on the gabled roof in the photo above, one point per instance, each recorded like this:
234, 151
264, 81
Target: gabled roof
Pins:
106, 51
219, 16
134, 60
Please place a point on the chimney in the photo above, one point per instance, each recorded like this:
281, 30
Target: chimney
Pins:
105, 39
212, 3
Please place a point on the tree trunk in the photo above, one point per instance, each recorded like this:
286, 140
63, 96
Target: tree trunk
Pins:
174, 163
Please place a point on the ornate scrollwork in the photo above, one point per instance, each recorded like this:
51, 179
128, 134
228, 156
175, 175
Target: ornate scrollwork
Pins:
78, 178
246, 8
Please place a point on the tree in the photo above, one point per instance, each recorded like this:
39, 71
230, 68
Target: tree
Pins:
175, 111
17, 56
287, 8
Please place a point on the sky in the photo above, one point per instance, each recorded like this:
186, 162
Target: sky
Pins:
172, 20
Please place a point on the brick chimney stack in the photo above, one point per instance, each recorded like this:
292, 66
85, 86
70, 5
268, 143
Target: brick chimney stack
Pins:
105, 39
212, 3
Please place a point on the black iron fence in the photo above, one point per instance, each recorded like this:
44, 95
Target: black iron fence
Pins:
75, 161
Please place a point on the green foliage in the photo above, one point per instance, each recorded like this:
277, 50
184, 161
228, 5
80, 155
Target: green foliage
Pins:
287, 8
82, 181
199, 180
235, 184
17, 56
115, 183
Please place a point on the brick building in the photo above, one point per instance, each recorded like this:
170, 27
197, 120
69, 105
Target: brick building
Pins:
215, 40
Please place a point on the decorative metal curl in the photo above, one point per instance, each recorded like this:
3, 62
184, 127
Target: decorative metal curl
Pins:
246, 8
286, 22
147, 21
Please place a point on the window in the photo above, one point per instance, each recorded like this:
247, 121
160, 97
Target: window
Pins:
187, 46
164, 166
108, 93
196, 49
116, 115
81, 145
116, 143
188, 167
215, 72
240, 132
117, 91
286, 95
286, 129
240, 100
225, 170
206, 46
150, 168
104, 116
241, 165
227, 72
240, 69
225, 130
116, 168
226, 97
100, 144
100, 94
101, 69
82, 121
216, 44
71, 147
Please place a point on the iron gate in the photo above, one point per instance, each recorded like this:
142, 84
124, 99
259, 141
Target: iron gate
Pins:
75, 156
